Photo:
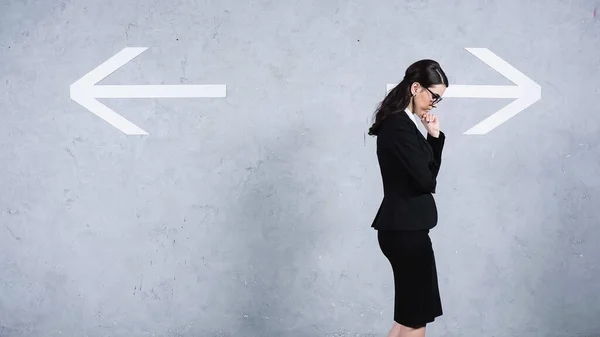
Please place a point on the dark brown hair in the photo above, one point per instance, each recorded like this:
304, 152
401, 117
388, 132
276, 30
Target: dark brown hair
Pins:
426, 72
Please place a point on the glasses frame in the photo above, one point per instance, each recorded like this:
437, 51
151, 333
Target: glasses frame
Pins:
436, 98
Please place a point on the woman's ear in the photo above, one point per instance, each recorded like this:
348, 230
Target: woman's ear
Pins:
414, 88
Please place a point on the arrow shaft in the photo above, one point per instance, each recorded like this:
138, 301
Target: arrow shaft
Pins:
479, 91
157, 91
483, 91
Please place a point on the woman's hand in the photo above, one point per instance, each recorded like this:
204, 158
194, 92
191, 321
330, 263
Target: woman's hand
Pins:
432, 124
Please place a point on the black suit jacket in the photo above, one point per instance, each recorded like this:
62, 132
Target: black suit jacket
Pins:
409, 165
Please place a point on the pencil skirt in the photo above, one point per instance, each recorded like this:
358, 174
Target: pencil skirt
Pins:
417, 296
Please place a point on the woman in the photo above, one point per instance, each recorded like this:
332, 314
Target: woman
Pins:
409, 165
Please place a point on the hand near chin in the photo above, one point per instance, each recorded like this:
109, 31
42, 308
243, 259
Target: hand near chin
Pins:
432, 124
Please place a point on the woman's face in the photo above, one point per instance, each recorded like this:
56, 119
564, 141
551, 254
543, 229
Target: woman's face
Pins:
425, 99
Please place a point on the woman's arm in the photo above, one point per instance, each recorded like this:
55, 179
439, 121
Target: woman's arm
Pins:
437, 144
404, 144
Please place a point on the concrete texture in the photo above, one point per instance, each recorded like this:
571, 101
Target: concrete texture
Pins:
249, 215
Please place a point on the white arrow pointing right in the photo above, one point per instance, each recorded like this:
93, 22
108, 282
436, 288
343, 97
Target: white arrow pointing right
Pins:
526, 91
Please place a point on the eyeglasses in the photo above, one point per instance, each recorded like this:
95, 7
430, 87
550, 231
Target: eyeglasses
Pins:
436, 97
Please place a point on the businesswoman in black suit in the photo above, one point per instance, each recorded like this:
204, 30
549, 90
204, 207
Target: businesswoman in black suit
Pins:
409, 165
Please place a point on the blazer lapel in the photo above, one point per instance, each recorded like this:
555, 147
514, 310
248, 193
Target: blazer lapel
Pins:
424, 141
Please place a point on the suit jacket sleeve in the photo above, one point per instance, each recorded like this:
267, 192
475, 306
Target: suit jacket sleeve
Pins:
405, 146
437, 144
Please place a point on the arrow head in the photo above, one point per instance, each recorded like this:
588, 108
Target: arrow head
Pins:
81, 91
81, 96
529, 92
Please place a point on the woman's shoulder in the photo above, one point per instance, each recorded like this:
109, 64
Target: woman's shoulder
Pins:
397, 121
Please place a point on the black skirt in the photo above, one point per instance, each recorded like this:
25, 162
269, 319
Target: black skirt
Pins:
417, 296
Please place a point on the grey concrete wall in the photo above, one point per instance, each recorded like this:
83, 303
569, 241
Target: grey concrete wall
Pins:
249, 215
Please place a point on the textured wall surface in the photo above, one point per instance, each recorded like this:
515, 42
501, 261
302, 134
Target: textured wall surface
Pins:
249, 215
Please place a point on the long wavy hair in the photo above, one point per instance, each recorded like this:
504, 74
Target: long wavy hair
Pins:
425, 72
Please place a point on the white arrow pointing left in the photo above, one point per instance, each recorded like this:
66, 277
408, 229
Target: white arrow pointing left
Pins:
85, 91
